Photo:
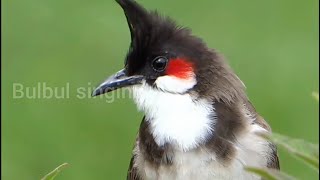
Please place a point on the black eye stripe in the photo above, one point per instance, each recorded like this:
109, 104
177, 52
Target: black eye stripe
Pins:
159, 63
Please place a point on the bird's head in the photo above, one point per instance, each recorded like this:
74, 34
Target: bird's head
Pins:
167, 58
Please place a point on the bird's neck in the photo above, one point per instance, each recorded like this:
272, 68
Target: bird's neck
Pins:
175, 119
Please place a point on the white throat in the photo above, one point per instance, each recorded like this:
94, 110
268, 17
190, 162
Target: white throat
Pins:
175, 118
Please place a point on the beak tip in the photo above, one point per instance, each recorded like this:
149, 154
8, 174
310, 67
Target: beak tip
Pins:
95, 93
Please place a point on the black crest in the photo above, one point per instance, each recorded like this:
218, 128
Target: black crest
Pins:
150, 32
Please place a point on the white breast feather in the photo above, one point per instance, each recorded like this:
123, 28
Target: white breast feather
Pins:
202, 164
181, 121
175, 118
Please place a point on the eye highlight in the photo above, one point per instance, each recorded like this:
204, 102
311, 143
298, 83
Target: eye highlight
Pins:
159, 63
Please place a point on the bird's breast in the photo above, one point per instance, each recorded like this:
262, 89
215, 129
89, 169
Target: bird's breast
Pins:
175, 118
204, 163
191, 165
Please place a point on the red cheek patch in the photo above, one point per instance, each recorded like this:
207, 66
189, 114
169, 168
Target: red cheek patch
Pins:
180, 68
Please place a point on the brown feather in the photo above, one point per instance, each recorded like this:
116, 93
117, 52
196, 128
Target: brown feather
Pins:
132, 171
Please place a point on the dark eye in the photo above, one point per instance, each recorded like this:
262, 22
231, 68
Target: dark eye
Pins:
159, 63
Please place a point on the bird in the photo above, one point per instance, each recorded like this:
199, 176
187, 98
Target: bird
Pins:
198, 121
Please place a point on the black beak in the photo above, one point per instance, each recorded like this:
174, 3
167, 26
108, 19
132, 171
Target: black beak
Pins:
116, 81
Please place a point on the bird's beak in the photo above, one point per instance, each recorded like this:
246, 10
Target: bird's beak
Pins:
118, 80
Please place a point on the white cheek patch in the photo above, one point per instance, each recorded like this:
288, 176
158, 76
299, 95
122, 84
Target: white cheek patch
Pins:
174, 84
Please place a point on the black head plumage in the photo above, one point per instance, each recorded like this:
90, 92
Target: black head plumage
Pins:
153, 35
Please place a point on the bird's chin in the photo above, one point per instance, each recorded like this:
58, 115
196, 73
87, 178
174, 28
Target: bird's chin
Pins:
175, 85
146, 95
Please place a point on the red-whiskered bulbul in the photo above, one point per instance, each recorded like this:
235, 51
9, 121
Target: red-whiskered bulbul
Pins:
199, 122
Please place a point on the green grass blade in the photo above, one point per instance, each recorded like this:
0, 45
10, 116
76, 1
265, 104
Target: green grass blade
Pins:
269, 174
55, 172
316, 95
302, 149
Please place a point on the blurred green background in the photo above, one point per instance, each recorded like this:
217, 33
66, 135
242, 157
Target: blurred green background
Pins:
272, 45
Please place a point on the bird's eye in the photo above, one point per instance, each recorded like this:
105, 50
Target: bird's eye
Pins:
159, 63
